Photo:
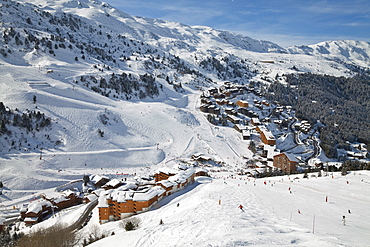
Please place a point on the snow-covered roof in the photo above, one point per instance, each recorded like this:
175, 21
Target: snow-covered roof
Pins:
256, 120
99, 191
102, 201
91, 197
127, 186
246, 132
24, 208
146, 196
291, 157
36, 207
97, 178
267, 133
166, 170
31, 219
199, 169
241, 126
60, 199
166, 183
113, 183
121, 196
181, 176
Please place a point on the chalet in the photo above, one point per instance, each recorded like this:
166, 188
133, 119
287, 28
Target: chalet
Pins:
203, 96
255, 121
35, 211
246, 134
214, 110
231, 111
99, 180
259, 105
89, 198
266, 136
227, 93
242, 103
266, 103
201, 172
356, 155
286, 162
233, 119
112, 184
163, 174
65, 200
240, 127
266, 120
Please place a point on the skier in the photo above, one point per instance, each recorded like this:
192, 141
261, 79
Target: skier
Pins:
344, 220
241, 207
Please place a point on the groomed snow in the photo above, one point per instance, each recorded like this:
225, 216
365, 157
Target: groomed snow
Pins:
207, 214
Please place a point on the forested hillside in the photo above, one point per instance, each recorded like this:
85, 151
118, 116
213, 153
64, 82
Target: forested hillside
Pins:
341, 104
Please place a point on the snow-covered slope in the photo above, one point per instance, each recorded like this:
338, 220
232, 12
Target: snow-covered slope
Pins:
50, 48
206, 214
64, 52
347, 51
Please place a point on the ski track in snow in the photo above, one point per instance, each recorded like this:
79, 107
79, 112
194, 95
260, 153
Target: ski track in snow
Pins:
208, 215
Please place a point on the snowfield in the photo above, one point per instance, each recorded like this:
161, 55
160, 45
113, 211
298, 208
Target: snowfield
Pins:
207, 214
93, 134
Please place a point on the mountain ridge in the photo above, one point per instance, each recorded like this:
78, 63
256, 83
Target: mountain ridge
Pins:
96, 71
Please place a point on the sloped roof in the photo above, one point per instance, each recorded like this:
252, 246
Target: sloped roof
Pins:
146, 196
291, 157
36, 207
114, 182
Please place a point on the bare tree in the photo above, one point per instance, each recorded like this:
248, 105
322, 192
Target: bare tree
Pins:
55, 236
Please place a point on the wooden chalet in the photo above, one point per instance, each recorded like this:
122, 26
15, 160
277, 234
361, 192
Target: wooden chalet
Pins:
233, 119
113, 184
255, 121
266, 136
286, 162
99, 180
66, 200
35, 211
163, 174
240, 127
242, 103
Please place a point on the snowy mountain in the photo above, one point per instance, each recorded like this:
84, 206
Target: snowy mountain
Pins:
348, 51
91, 67
89, 89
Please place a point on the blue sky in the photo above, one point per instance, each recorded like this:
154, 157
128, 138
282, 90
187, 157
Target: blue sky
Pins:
285, 22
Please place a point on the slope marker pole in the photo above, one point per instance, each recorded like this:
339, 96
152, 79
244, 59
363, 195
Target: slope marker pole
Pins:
313, 225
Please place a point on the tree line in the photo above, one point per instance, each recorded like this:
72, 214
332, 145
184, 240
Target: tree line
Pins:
340, 104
